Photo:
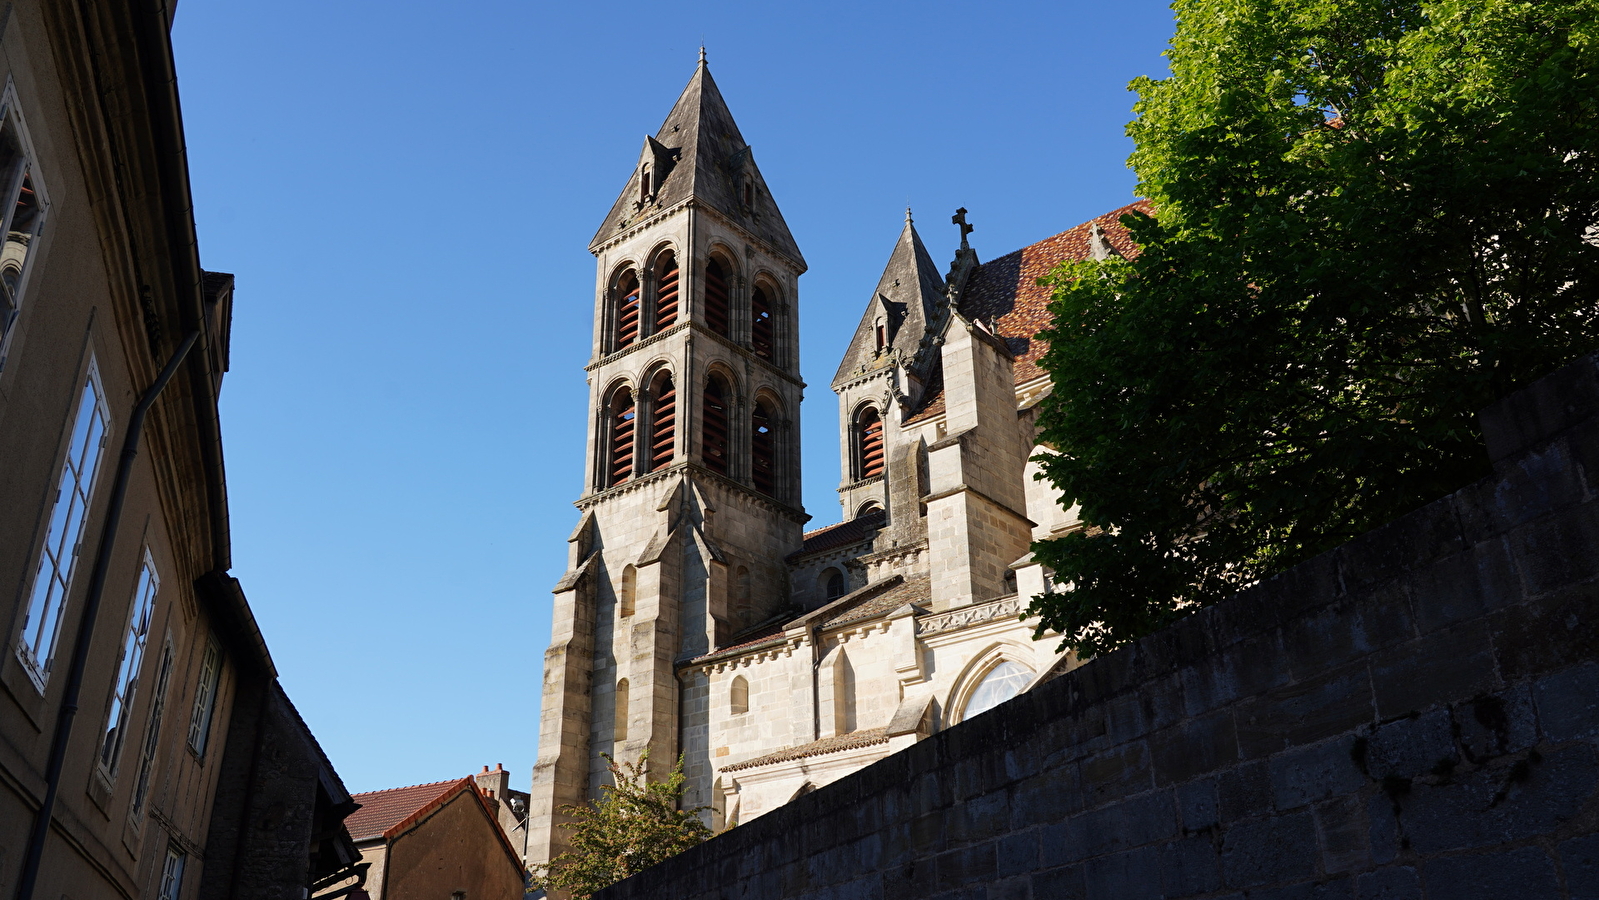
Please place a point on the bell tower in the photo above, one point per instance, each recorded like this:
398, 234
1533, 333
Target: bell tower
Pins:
691, 496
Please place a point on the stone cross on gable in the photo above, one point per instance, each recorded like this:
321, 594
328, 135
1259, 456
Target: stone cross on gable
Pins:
960, 219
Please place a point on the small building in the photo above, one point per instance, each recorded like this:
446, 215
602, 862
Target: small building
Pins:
437, 841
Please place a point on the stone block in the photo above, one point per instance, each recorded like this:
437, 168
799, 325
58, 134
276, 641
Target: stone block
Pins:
1464, 586
1345, 835
1500, 803
1542, 410
1309, 774
1060, 884
1579, 860
1442, 667
968, 865
1268, 851
1196, 747
1429, 533
1548, 633
1197, 805
1492, 725
1189, 866
1132, 823
1568, 703
1135, 873
1324, 639
1017, 853
1392, 883
914, 880
1046, 798
1557, 551
1336, 889
1412, 747
1020, 888
1526, 874
1382, 814
1244, 791
1305, 712
1116, 773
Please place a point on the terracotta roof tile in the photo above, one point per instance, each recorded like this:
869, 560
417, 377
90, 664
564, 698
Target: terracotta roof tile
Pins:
835, 744
842, 534
1006, 290
382, 810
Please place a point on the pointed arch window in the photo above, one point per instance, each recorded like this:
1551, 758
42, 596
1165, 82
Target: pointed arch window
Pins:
627, 310
666, 290
663, 422
739, 699
763, 449
628, 601
716, 287
869, 437
623, 415
713, 437
761, 323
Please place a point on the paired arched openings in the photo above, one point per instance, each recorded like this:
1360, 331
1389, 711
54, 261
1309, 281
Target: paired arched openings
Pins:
714, 420
668, 281
663, 421
869, 449
764, 446
629, 309
739, 696
718, 293
621, 426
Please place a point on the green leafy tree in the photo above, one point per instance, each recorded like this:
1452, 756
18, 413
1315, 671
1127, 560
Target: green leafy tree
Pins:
1372, 218
635, 824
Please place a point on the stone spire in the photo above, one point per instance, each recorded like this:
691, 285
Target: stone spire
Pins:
699, 155
906, 300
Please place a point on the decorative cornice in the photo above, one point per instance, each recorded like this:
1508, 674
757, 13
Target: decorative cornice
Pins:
972, 615
695, 469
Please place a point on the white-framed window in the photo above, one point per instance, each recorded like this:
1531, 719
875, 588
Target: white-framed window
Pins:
23, 207
152, 734
126, 689
58, 559
205, 698
999, 684
172, 874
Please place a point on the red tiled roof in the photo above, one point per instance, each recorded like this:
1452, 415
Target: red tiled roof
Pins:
1007, 291
835, 744
842, 534
382, 810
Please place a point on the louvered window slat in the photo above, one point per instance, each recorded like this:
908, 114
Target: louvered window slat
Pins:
713, 441
716, 298
666, 293
623, 422
663, 426
763, 451
761, 323
871, 438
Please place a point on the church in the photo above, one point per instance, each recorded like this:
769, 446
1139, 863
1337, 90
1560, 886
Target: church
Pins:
697, 617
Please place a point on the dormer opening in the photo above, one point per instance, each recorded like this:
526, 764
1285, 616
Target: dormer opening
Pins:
644, 186
749, 194
882, 335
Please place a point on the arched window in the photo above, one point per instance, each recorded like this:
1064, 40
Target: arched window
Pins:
868, 508
713, 433
627, 597
763, 449
1001, 683
623, 418
627, 310
740, 699
663, 421
761, 323
619, 731
869, 435
666, 293
832, 584
843, 694
644, 183
742, 608
716, 297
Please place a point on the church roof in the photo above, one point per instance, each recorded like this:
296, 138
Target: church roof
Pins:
700, 154
841, 534
907, 298
914, 589
835, 744
1007, 291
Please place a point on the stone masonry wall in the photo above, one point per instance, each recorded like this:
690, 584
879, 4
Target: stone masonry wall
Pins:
1414, 715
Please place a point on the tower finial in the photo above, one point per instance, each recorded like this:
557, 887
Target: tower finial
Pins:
908, 219
702, 54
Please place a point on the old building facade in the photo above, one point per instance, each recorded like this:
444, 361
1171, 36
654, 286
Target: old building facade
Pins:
695, 618
146, 749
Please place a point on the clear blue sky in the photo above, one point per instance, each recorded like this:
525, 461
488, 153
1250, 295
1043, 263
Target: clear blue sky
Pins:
406, 192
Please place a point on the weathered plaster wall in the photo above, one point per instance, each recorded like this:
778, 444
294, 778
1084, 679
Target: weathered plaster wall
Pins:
1413, 715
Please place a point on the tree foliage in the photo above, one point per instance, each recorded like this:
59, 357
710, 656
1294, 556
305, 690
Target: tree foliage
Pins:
1372, 218
635, 824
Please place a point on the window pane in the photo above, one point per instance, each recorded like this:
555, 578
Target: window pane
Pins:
205, 699
127, 684
1002, 682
